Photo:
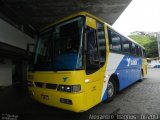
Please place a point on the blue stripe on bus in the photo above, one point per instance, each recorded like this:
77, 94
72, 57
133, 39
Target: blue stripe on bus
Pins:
128, 72
105, 95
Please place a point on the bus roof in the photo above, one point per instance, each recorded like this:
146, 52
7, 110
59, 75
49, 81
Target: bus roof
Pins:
90, 15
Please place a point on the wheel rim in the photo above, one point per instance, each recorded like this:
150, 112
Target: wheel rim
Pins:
110, 89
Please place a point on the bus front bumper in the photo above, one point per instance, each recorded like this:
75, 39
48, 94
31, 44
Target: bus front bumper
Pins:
68, 101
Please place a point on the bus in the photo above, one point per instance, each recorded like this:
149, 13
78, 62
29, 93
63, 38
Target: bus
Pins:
81, 61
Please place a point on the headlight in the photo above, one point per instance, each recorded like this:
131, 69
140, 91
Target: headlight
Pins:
65, 88
76, 88
69, 88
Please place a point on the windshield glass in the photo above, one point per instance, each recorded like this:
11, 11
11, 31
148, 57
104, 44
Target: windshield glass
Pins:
60, 47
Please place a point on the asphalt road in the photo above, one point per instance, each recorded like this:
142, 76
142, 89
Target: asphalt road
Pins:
139, 98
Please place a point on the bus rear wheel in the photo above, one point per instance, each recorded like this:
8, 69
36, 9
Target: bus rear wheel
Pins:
111, 90
141, 77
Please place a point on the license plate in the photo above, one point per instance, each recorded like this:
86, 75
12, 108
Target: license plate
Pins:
45, 97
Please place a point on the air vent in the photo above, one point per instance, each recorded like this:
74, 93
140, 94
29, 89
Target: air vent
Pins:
46, 85
39, 84
51, 86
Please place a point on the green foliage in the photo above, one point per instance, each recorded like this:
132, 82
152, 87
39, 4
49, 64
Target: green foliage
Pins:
149, 42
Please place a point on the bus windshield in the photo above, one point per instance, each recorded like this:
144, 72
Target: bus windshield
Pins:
60, 47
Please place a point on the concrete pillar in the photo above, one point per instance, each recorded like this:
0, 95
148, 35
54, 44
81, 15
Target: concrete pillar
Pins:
24, 71
5, 72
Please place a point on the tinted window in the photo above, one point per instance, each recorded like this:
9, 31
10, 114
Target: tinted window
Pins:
59, 48
114, 41
101, 42
140, 51
92, 57
137, 50
126, 45
133, 48
144, 53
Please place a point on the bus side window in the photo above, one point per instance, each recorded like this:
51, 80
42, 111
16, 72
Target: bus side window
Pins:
101, 42
140, 52
137, 51
126, 45
114, 41
144, 53
133, 49
92, 57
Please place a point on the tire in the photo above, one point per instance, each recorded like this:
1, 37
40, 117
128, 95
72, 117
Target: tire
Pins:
111, 89
142, 76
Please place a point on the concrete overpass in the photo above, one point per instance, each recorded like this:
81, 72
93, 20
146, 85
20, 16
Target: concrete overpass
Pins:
35, 14
21, 20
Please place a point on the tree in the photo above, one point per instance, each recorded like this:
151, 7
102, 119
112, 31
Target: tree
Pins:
148, 42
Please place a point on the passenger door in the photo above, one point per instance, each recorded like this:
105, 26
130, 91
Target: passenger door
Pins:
95, 59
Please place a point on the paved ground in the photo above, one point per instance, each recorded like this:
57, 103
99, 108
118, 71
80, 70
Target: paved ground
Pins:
139, 98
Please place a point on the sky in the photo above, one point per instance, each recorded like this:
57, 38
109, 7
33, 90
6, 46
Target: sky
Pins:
140, 15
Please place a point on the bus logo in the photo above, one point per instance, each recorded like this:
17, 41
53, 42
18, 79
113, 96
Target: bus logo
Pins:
131, 62
65, 79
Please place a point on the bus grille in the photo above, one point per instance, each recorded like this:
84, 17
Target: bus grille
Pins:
51, 86
39, 84
46, 85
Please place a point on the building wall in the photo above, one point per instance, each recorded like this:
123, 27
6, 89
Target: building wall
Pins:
5, 72
12, 36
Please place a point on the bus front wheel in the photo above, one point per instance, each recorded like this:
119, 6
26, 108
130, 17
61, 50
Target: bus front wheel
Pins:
111, 90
